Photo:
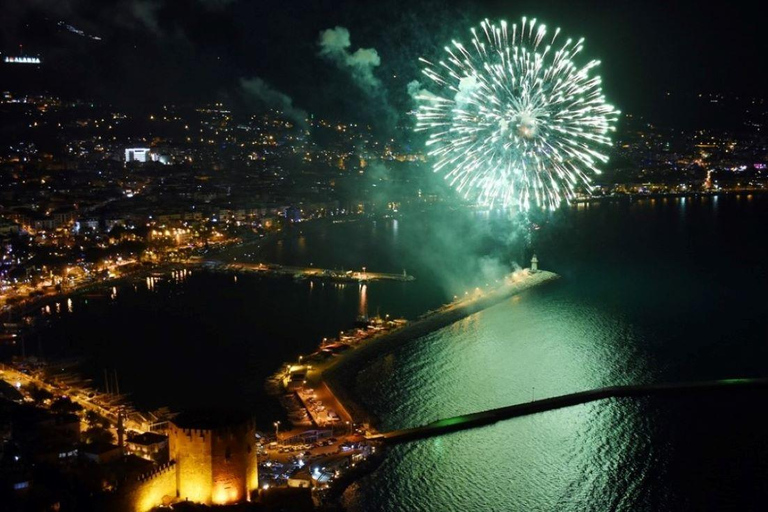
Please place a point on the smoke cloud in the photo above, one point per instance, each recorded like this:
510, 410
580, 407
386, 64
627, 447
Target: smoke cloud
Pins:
98, 15
470, 248
467, 87
335, 46
418, 94
145, 11
260, 92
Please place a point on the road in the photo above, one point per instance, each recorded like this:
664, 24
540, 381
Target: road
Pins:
109, 412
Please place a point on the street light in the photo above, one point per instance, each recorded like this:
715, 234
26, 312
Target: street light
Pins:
277, 431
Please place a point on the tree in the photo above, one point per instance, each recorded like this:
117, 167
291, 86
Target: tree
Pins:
38, 394
98, 435
94, 420
64, 404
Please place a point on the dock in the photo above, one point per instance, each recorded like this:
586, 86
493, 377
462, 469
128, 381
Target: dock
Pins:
339, 372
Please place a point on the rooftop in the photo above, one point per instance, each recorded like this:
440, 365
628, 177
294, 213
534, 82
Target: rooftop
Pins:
99, 448
148, 438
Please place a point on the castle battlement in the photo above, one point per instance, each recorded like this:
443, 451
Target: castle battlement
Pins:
196, 432
219, 432
163, 468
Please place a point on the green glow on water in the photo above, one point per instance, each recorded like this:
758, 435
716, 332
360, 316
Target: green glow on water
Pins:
617, 318
450, 421
738, 381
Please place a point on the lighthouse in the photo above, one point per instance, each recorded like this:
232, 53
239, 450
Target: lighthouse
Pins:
534, 263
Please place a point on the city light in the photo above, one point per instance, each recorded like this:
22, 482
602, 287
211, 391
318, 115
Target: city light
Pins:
207, 212
22, 60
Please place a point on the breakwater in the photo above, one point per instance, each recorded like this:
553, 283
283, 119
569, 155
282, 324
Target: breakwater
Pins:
339, 374
483, 418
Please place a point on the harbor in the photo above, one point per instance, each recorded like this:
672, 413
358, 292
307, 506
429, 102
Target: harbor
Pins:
61, 380
337, 373
317, 397
327, 431
315, 373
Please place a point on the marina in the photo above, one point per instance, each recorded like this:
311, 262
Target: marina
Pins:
318, 398
60, 381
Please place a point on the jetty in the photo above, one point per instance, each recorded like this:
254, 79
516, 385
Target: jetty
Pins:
339, 372
488, 417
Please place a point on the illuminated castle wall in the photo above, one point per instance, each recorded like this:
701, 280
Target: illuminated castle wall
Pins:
150, 490
216, 461
213, 461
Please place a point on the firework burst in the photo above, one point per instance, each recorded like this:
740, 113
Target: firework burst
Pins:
512, 120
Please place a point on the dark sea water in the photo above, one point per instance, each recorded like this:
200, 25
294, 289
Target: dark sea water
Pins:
655, 290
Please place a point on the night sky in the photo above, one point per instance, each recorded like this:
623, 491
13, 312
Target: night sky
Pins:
258, 53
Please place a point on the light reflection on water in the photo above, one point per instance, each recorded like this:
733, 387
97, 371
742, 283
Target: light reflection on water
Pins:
651, 292
643, 300
497, 357
541, 462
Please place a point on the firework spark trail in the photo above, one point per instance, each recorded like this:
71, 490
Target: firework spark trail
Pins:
514, 121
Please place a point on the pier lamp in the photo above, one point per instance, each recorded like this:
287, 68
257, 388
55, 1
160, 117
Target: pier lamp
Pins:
277, 431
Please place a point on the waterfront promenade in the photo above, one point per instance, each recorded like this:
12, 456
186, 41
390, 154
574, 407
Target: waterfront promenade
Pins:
483, 418
309, 272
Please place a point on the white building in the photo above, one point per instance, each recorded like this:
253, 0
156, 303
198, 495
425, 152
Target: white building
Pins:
137, 155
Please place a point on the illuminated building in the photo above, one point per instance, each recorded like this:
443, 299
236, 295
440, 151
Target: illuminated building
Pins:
213, 461
215, 456
137, 155
23, 59
150, 446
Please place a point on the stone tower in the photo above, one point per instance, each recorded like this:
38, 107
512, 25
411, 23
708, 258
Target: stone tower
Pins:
534, 263
215, 456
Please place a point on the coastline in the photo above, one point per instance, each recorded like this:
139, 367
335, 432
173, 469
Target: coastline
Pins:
664, 195
28, 306
339, 374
